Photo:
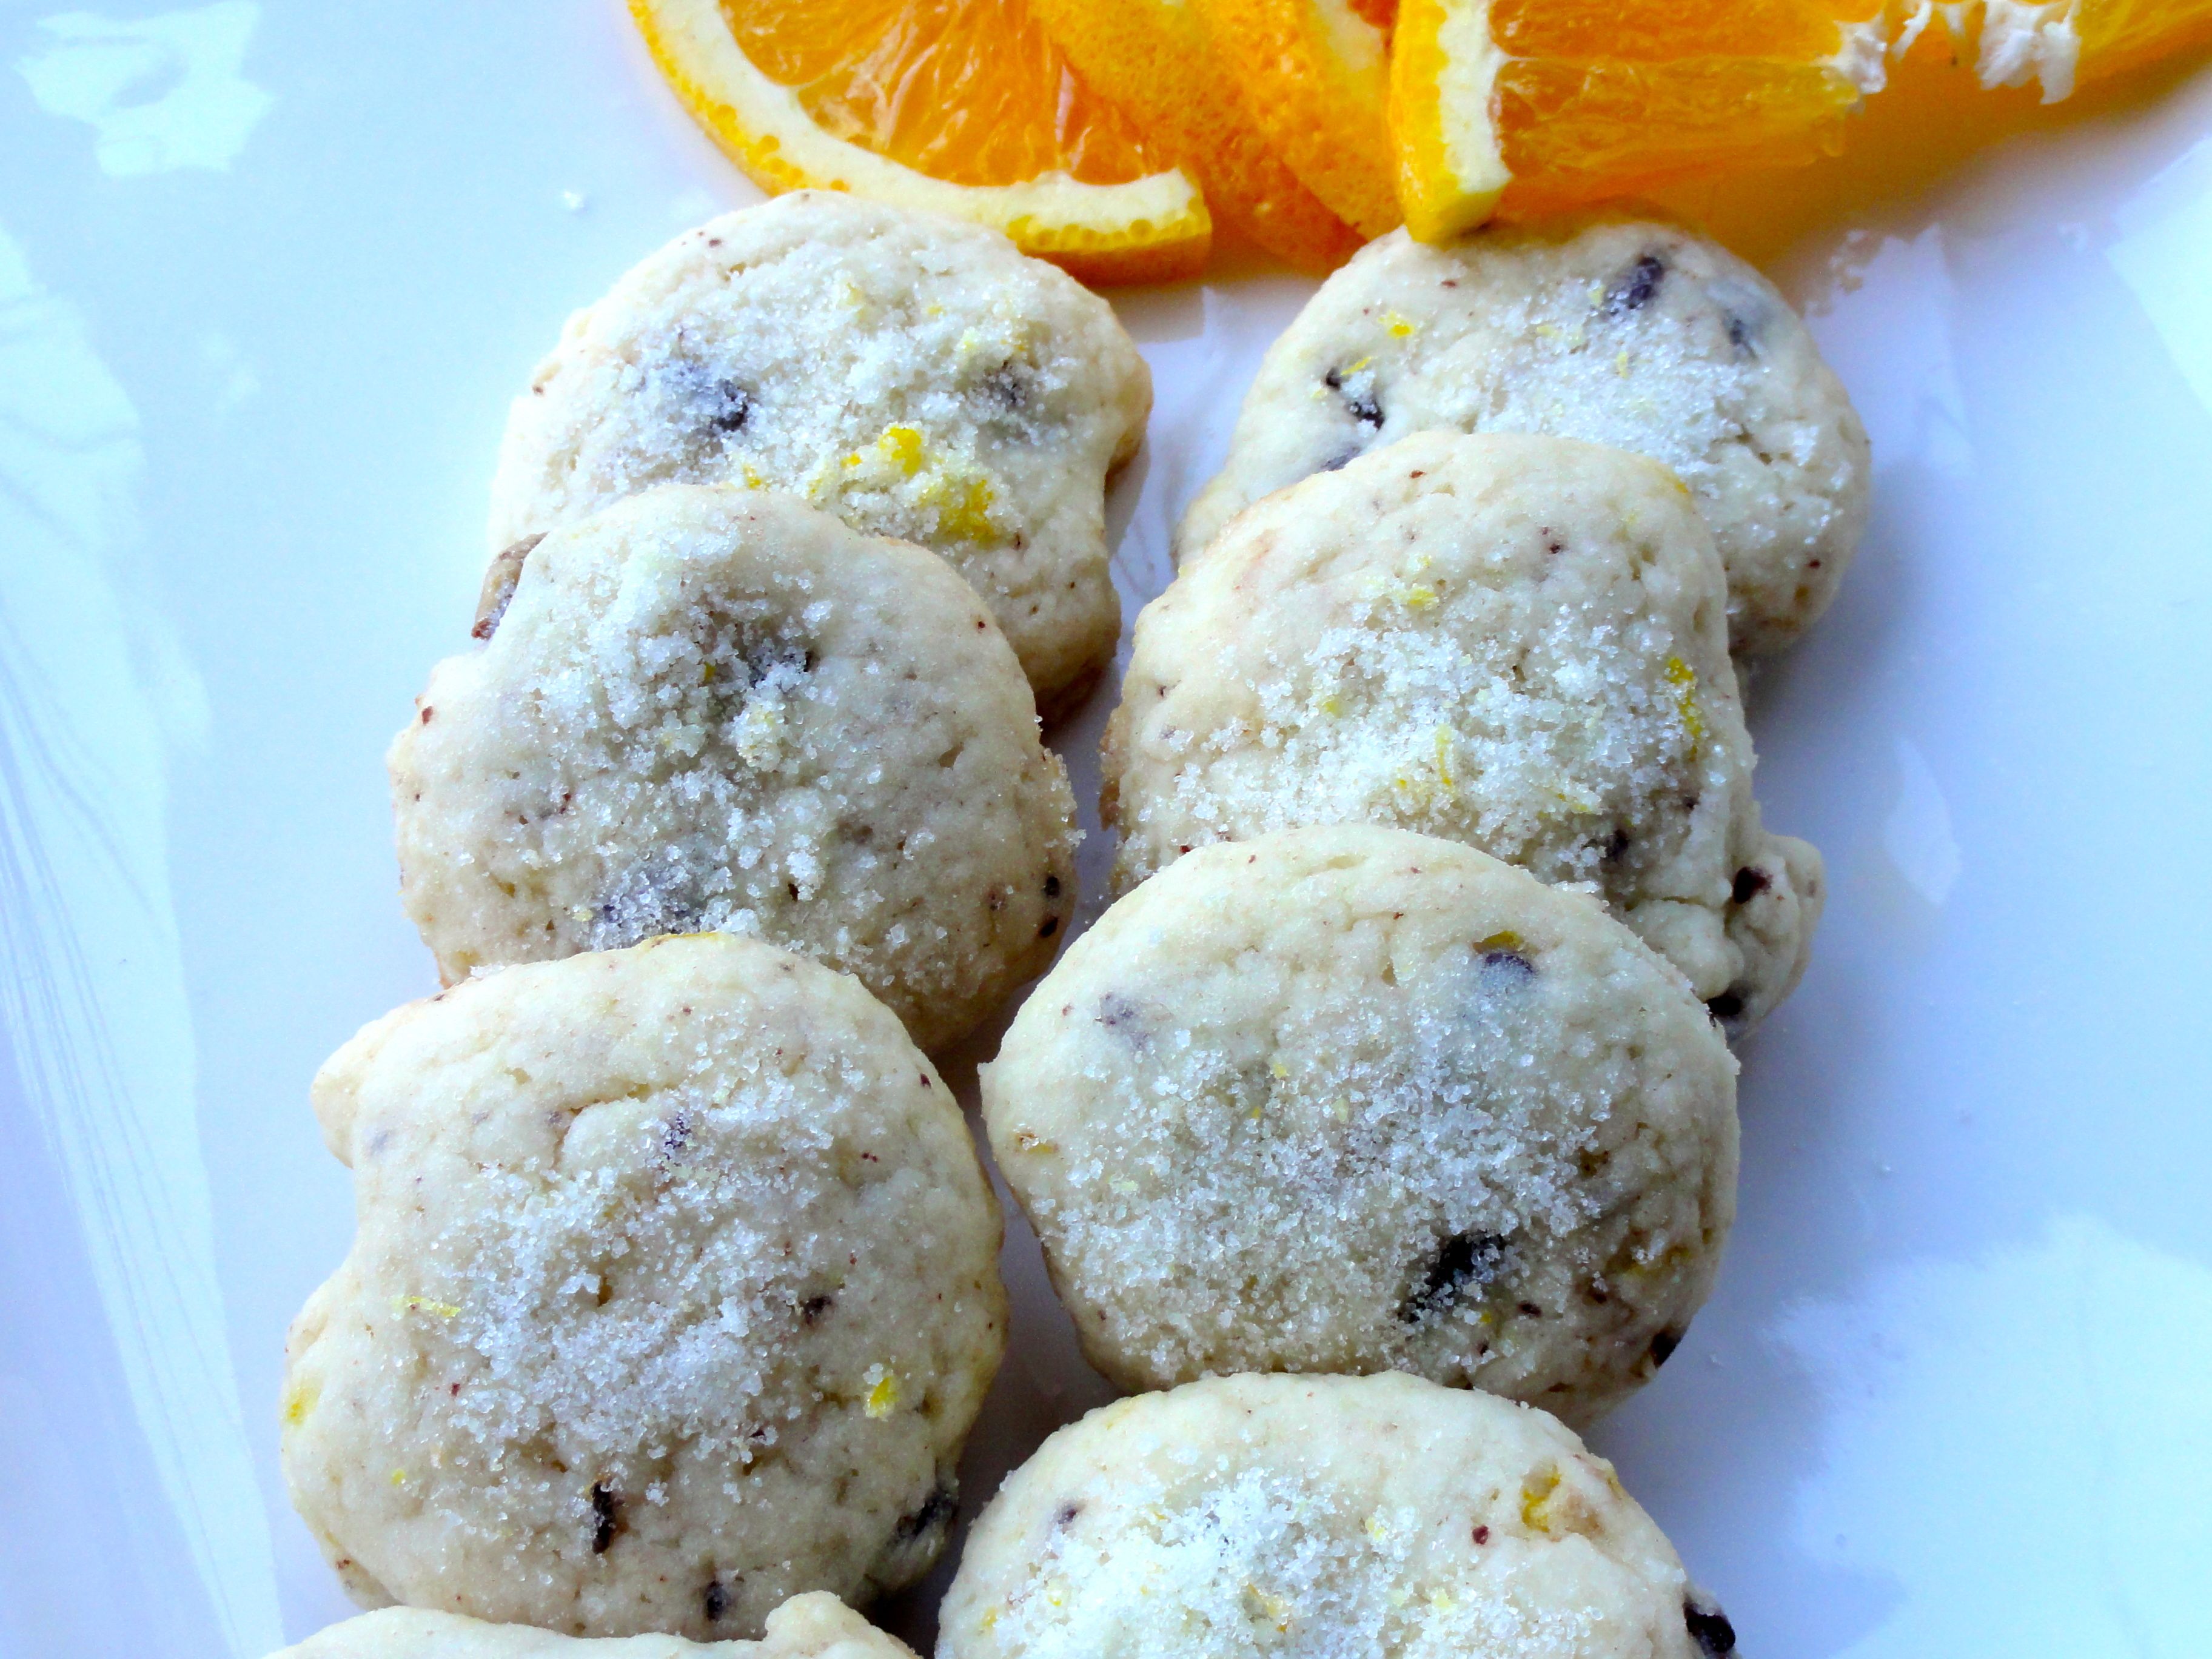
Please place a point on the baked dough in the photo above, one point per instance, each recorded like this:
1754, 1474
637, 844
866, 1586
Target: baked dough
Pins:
915, 375
815, 1626
674, 1294
720, 708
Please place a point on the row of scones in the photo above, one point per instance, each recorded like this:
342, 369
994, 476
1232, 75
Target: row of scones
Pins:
1379, 1135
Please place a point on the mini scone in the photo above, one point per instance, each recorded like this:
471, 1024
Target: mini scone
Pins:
720, 708
673, 1294
815, 1626
1353, 1099
917, 376
1624, 331
1383, 1517
1513, 642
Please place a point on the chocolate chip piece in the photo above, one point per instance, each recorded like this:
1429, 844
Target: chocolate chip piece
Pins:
1361, 405
1117, 1013
814, 1307
606, 1518
1462, 1259
1051, 927
1052, 886
1738, 333
1728, 1006
1663, 1347
937, 1511
717, 1600
1616, 846
1065, 1515
498, 590
732, 406
1710, 1629
1502, 968
1482, 1534
1633, 289
1750, 882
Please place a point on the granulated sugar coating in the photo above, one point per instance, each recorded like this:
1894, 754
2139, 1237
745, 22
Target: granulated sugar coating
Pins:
1320, 1517
918, 377
1353, 1100
714, 708
1512, 642
816, 1625
1627, 331
674, 1294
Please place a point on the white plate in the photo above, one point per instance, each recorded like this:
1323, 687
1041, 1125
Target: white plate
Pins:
267, 280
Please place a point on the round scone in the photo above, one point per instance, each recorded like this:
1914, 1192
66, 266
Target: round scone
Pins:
917, 376
674, 1293
1372, 1518
1353, 1099
720, 708
1627, 331
815, 1626
1512, 642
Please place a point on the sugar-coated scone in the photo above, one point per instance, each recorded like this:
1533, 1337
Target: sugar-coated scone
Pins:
1353, 1099
917, 376
721, 708
674, 1294
1624, 331
1513, 642
1337, 1517
815, 1626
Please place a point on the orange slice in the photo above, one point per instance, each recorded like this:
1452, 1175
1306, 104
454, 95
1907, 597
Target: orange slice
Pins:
1158, 61
2057, 43
1567, 101
1316, 82
962, 107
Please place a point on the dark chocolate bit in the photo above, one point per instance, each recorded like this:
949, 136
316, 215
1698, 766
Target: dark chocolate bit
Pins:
731, 406
674, 1134
1064, 1515
937, 1511
1050, 927
1530, 1311
1462, 1259
812, 1310
1750, 882
1728, 1006
1117, 1013
1738, 333
1633, 289
1361, 405
1663, 1347
1007, 387
499, 582
1616, 846
717, 1600
1482, 1534
1052, 886
1710, 1629
606, 1518
1502, 968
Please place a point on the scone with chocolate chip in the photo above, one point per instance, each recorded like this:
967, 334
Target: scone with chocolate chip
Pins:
1624, 331
1351, 1099
1516, 642
719, 708
1375, 1518
918, 377
674, 1294
815, 1626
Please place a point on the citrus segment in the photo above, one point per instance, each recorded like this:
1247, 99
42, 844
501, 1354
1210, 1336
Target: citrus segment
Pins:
2056, 43
1316, 81
1158, 62
961, 107
1548, 104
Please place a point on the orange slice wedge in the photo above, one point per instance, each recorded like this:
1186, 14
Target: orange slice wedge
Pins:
1158, 62
962, 107
2057, 43
1317, 80
1546, 104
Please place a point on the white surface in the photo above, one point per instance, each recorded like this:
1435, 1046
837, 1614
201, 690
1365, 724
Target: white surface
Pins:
268, 276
